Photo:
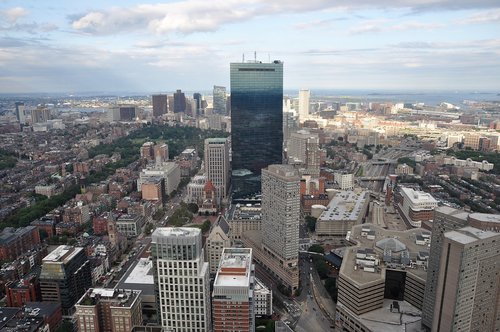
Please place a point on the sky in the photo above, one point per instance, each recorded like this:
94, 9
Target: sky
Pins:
137, 46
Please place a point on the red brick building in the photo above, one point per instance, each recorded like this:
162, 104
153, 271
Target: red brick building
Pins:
16, 241
20, 292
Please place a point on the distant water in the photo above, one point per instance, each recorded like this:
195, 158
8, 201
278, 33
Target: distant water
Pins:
429, 98
81, 109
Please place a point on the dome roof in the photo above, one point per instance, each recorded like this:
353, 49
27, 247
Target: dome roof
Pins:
391, 243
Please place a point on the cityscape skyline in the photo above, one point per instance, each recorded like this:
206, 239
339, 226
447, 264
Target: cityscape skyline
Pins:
134, 46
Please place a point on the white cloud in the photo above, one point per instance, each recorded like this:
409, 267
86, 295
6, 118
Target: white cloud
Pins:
490, 16
11, 15
417, 26
191, 16
369, 27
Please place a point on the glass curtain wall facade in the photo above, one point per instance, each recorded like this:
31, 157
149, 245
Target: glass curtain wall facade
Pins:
256, 123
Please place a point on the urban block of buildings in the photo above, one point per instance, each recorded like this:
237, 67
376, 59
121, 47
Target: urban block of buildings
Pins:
346, 209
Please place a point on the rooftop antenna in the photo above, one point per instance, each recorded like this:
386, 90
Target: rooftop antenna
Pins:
255, 55
243, 58
268, 57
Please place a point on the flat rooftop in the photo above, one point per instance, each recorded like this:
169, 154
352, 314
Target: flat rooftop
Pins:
176, 231
235, 268
139, 277
62, 254
245, 212
485, 217
115, 297
346, 205
418, 197
468, 235
408, 238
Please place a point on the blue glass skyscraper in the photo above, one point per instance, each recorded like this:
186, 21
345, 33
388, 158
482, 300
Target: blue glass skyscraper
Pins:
256, 123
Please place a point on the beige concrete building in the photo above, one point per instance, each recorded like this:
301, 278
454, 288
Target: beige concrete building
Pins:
276, 247
169, 171
303, 152
445, 219
243, 218
346, 209
217, 165
215, 243
344, 181
108, 310
383, 265
468, 287
152, 189
281, 213
472, 141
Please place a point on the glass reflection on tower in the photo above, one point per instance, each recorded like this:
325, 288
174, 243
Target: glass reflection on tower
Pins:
256, 123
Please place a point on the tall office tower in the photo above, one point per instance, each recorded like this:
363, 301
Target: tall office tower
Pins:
161, 153
40, 114
290, 124
468, 285
445, 219
65, 277
197, 97
217, 165
181, 278
170, 106
159, 104
303, 150
256, 123
123, 113
20, 112
179, 102
281, 213
219, 95
232, 298
304, 96
228, 105
113, 310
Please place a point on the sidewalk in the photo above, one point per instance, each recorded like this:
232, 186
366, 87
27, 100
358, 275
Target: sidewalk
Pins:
322, 297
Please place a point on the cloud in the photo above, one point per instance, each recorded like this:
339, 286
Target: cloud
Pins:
491, 16
11, 19
191, 16
368, 27
318, 23
11, 15
417, 26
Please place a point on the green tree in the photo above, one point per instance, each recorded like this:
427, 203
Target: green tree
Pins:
317, 248
331, 288
193, 208
321, 267
311, 223
407, 161
66, 326
206, 226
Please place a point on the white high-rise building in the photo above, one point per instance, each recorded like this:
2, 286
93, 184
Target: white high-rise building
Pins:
181, 278
281, 212
304, 96
217, 164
